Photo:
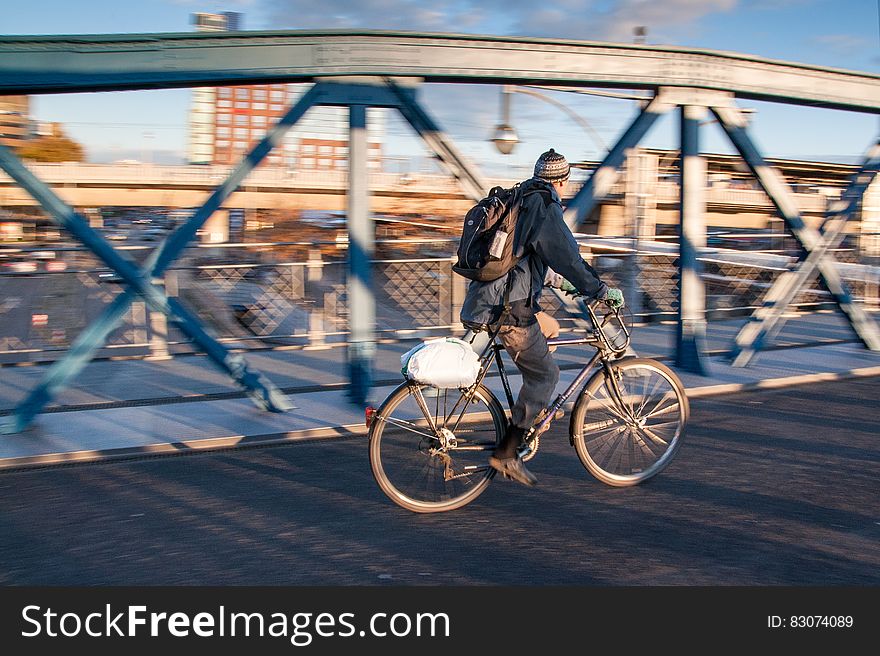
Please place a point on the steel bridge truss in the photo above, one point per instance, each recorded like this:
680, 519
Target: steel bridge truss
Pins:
145, 282
348, 86
816, 245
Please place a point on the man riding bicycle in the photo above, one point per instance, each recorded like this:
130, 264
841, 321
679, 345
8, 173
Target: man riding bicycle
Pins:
548, 253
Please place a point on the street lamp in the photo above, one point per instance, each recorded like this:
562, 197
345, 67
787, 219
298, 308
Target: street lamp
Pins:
505, 137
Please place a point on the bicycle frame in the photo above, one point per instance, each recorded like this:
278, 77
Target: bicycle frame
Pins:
605, 353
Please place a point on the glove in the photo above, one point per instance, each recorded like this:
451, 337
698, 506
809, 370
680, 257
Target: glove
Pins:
614, 298
567, 288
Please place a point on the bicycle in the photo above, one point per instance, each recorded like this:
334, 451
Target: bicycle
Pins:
430, 455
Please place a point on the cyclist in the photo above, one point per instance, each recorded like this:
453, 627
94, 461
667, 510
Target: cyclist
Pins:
542, 241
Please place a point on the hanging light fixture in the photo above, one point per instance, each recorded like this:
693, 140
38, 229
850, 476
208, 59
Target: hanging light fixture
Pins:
505, 137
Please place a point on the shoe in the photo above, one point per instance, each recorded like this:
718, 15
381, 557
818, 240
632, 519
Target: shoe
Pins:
515, 469
512, 440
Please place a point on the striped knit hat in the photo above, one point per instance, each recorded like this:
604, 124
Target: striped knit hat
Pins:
552, 167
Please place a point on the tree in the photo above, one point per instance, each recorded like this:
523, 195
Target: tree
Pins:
54, 147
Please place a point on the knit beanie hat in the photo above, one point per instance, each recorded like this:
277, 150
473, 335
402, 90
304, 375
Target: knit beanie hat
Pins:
552, 167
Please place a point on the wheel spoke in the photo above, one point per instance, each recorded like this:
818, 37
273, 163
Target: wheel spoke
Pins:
672, 423
614, 443
407, 425
658, 411
621, 448
647, 454
609, 403
657, 439
425, 472
648, 395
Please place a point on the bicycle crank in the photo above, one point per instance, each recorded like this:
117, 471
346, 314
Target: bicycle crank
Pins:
528, 451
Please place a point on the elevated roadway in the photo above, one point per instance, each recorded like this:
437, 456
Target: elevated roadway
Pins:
107, 185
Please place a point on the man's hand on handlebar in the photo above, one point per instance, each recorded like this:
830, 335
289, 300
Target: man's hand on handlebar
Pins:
613, 297
567, 288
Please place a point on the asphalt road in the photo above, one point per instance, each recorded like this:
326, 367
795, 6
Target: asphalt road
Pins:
771, 488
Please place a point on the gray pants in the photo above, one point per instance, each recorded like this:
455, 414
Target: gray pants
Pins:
540, 373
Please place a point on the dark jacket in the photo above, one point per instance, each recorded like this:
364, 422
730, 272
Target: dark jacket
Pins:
542, 240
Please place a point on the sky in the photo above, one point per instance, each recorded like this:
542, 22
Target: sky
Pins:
151, 125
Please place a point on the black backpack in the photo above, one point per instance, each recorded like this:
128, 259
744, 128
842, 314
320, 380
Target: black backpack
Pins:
485, 251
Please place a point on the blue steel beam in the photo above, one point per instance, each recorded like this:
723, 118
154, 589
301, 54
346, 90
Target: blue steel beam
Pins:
361, 237
472, 181
367, 91
260, 389
172, 247
362, 304
690, 334
599, 184
767, 320
139, 284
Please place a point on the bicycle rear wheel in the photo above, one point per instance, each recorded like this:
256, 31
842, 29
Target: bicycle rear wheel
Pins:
624, 439
427, 461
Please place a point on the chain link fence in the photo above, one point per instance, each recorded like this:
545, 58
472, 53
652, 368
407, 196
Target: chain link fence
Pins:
255, 298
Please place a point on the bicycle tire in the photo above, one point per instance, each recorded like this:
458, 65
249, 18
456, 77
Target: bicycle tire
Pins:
624, 446
409, 463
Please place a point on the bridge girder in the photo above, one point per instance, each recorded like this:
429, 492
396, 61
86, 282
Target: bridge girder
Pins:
66, 64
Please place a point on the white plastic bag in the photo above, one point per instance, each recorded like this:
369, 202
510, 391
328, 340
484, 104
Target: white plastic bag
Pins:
445, 362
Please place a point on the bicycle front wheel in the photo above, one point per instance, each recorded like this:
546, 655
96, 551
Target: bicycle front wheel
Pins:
427, 458
628, 429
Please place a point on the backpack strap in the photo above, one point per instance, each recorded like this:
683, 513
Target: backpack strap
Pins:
548, 198
494, 328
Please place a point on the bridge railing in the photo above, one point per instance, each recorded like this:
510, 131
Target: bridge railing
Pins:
282, 295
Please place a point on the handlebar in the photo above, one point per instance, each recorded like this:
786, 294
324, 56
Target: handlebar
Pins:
599, 325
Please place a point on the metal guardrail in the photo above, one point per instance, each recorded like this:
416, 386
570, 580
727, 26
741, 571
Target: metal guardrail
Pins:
253, 301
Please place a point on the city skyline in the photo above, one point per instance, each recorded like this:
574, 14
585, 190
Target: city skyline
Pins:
152, 126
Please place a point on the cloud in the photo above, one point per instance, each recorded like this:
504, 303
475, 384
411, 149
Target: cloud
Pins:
438, 16
604, 20
773, 5
842, 44
616, 21
236, 4
470, 112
